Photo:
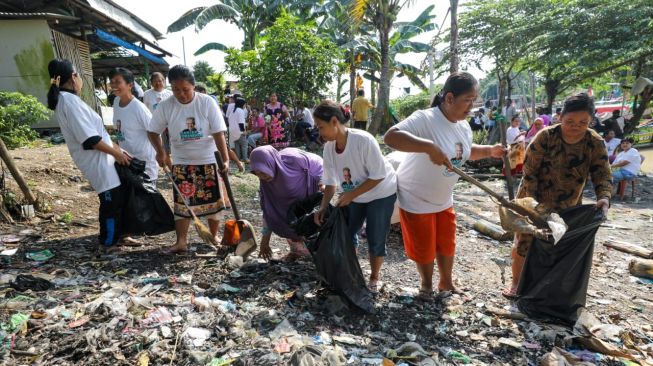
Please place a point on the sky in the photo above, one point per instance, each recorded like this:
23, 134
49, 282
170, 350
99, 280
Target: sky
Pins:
167, 11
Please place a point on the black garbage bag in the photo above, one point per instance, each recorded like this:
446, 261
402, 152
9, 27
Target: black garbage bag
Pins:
335, 259
300, 215
29, 282
145, 211
553, 283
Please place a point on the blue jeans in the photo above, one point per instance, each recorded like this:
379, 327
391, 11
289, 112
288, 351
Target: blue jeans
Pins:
621, 174
378, 214
240, 146
252, 138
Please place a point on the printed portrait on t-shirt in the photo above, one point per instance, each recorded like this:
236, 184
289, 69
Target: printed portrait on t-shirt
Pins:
119, 134
191, 132
158, 100
456, 161
347, 184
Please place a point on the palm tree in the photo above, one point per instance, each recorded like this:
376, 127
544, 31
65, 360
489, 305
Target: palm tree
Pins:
381, 14
252, 16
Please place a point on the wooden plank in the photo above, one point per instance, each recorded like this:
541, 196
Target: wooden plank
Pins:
630, 248
641, 268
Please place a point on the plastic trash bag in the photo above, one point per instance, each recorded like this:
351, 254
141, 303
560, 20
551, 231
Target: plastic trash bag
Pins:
553, 283
145, 210
300, 215
332, 250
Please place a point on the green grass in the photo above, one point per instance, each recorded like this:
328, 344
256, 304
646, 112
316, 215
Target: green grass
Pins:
67, 217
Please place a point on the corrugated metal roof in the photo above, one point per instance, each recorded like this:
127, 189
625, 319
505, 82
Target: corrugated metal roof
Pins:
10, 15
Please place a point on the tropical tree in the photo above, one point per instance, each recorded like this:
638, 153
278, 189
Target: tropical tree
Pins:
400, 42
291, 60
381, 14
202, 70
454, 58
251, 16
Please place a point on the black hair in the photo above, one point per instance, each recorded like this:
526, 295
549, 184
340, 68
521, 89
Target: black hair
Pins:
629, 139
616, 112
155, 74
514, 117
126, 75
200, 88
63, 70
457, 83
240, 103
360, 92
558, 110
181, 72
481, 110
328, 109
578, 102
606, 132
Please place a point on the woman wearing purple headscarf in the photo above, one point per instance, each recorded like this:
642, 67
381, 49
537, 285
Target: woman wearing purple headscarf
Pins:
286, 176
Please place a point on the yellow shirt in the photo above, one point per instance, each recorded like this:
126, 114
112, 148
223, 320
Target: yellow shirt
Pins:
360, 108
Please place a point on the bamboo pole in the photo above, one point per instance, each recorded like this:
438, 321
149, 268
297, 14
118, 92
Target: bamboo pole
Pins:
13, 169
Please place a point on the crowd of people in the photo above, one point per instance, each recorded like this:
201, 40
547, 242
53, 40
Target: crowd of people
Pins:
353, 173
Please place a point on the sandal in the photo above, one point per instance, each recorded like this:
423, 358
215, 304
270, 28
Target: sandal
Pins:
425, 295
173, 250
375, 286
510, 293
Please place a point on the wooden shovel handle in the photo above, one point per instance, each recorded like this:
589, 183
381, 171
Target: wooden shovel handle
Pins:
535, 218
225, 178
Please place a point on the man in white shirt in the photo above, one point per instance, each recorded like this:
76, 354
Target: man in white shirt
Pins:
156, 95
629, 161
611, 144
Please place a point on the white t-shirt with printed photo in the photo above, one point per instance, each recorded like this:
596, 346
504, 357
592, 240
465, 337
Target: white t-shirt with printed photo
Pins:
424, 187
78, 122
131, 124
191, 127
633, 158
361, 160
152, 98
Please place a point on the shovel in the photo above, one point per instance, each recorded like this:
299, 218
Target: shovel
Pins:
237, 232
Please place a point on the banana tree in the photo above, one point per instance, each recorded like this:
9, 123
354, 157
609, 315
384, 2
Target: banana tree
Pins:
381, 14
253, 17
400, 43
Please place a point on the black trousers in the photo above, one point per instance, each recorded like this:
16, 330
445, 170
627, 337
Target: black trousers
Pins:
111, 206
361, 125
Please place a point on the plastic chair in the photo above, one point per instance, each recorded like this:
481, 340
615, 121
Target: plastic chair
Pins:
622, 188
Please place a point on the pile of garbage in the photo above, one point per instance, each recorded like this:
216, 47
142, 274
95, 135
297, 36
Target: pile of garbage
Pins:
62, 304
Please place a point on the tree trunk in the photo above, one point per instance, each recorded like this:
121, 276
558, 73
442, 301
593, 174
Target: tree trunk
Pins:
373, 89
381, 109
551, 87
454, 37
630, 248
339, 87
352, 76
638, 113
13, 169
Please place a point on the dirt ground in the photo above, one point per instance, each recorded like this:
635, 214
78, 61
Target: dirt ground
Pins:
75, 322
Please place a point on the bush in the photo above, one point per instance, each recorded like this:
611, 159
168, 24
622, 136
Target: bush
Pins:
17, 113
406, 105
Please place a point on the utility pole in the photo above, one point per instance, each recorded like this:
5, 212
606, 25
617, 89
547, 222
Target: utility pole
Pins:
532, 75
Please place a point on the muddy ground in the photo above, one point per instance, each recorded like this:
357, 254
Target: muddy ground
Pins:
139, 307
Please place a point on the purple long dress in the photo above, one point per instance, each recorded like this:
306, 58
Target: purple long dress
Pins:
296, 175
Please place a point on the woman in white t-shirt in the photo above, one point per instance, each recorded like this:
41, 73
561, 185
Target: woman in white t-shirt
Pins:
355, 166
196, 130
156, 95
89, 145
435, 139
627, 163
131, 119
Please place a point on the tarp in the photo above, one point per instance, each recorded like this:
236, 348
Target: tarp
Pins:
108, 37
